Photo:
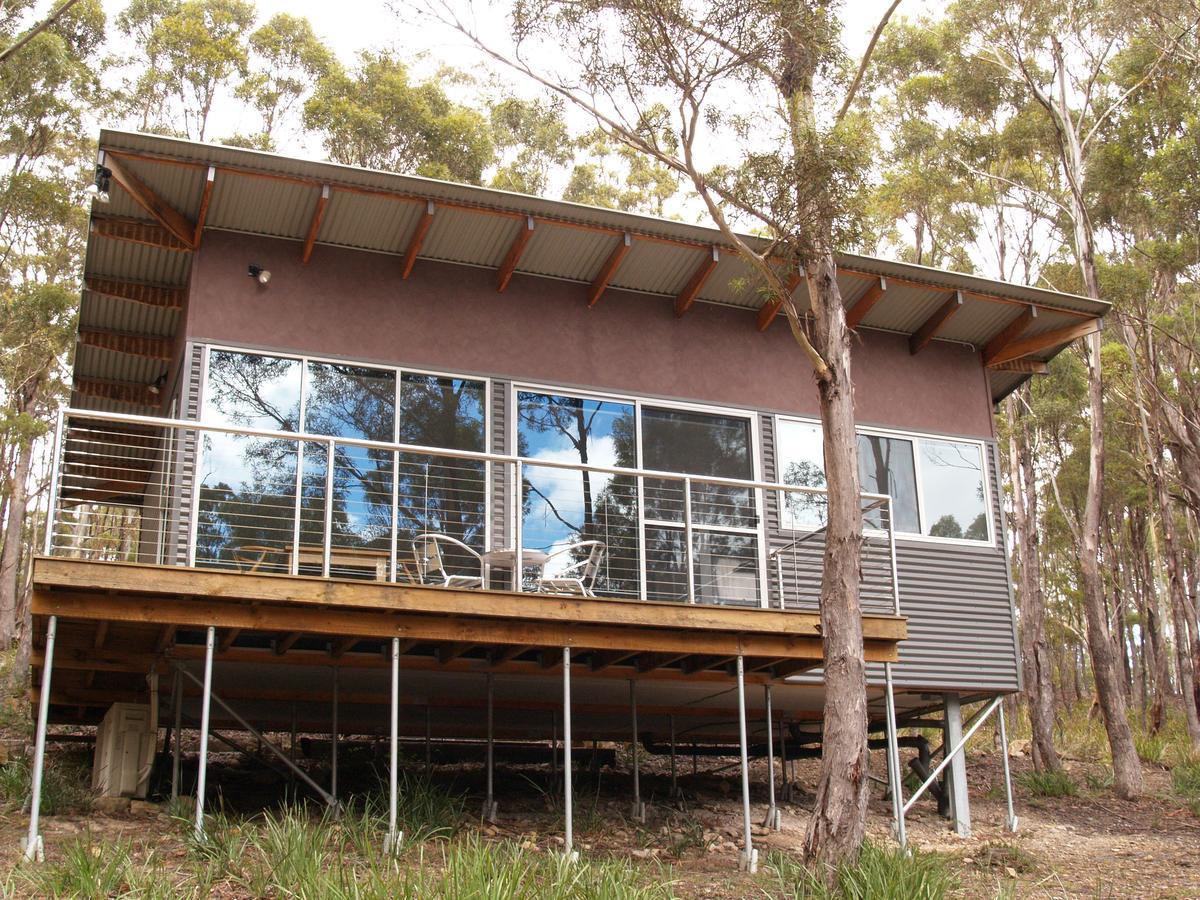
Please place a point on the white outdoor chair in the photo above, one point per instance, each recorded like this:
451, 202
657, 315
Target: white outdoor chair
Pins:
579, 578
431, 561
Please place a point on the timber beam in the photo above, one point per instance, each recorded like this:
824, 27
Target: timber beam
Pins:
160, 296
165, 214
931, 326
121, 391
205, 200
600, 282
695, 284
515, 252
135, 231
1046, 340
314, 227
874, 293
1022, 367
418, 239
1009, 334
142, 345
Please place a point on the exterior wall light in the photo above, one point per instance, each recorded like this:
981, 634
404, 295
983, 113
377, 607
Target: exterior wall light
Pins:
99, 188
259, 272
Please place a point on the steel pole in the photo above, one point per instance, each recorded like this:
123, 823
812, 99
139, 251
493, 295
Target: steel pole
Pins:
392, 842
568, 800
177, 749
1008, 794
893, 759
333, 740
205, 709
33, 841
772, 820
489, 801
674, 782
749, 861
639, 809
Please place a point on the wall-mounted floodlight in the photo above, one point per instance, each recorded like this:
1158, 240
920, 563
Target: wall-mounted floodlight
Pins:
258, 272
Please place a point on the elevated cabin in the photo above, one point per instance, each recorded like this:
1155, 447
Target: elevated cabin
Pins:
318, 410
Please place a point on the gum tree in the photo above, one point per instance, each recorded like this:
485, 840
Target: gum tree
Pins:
751, 103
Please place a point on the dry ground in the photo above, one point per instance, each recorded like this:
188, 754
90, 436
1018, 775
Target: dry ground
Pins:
1091, 845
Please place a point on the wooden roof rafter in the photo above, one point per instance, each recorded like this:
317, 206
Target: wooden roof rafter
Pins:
314, 226
931, 326
609, 269
136, 231
142, 345
157, 295
1009, 334
162, 212
515, 252
769, 310
120, 391
418, 239
695, 284
1047, 340
865, 303
205, 199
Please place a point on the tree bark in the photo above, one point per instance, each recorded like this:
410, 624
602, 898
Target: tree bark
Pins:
838, 823
10, 549
1036, 664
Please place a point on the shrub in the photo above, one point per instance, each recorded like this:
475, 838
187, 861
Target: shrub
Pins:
879, 874
65, 786
1185, 778
87, 868
1055, 783
1151, 748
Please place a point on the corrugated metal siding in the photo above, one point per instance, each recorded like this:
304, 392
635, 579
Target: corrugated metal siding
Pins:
501, 474
184, 457
957, 598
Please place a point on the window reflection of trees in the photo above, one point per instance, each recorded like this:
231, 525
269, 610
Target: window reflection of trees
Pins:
959, 462
579, 505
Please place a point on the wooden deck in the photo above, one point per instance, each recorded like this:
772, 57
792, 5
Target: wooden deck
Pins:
120, 621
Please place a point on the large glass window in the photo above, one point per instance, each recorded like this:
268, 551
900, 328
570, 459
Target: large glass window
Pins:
356, 402
248, 484
801, 463
885, 466
693, 443
953, 490
947, 476
724, 561
442, 494
563, 506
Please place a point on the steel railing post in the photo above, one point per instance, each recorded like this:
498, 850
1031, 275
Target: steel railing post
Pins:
52, 494
326, 544
687, 540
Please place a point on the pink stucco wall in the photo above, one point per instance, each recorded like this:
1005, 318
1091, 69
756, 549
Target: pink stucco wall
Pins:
354, 304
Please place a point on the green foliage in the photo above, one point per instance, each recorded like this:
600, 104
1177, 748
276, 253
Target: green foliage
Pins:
880, 873
1151, 748
66, 786
376, 116
87, 867
1185, 779
1055, 783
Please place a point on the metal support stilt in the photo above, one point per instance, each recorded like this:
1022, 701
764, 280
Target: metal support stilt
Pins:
639, 808
893, 760
489, 800
749, 857
333, 740
1008, 795
33, 841
568, 799
785, 794
773, 819
205, 708
177, 747
428, 740
391, 843
675, 794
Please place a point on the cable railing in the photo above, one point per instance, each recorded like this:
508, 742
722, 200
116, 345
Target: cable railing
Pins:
224, 496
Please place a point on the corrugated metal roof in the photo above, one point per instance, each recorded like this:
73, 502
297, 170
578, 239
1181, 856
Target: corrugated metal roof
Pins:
379, 211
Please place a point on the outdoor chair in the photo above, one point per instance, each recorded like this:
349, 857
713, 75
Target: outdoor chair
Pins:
579, 578
256, 558
429, 551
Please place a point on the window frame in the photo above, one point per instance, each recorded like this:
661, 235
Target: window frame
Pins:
399, 371
915, 437
759, 531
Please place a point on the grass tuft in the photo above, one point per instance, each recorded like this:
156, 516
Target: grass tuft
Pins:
879, 874
86, 868
65, 786
1151, 748
1055, 783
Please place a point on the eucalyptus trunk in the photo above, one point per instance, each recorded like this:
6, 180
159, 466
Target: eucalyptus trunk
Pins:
836, 829
10, 549
1036, 663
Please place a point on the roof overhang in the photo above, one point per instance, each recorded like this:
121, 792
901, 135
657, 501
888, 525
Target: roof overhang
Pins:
166, 192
